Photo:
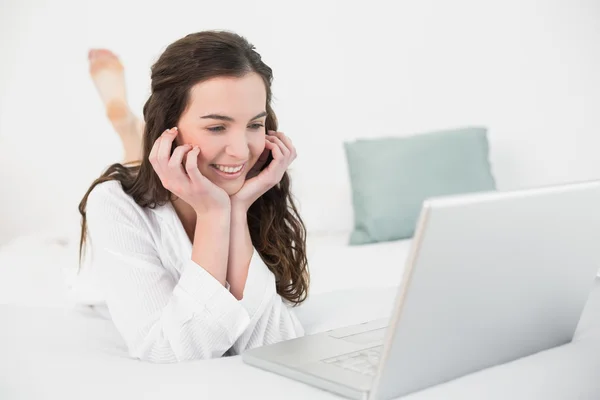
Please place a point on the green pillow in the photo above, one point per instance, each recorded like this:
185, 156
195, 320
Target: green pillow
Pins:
392, 176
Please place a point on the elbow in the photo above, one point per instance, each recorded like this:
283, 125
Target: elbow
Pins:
153, 353
162, 352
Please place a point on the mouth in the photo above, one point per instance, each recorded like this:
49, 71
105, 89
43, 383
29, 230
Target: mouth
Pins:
229, 171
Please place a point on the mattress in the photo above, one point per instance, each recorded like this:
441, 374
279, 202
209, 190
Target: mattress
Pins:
40, 268
50, 353
51, 348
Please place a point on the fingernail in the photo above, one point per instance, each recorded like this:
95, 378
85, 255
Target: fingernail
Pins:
175, 128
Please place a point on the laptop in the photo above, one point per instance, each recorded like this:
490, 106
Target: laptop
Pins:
490, 278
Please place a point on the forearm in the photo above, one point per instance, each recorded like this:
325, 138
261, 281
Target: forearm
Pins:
240, 252
211, 243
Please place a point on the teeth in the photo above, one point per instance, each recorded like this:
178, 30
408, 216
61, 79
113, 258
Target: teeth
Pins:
229, 170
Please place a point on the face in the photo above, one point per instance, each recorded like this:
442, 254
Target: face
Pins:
225, 118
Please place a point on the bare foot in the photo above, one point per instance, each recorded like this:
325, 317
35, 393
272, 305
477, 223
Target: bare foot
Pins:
109, 78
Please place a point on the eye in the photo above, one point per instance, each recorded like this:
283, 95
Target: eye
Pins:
256, 126
216, 128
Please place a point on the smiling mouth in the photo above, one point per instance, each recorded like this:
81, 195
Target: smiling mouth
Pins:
229, 170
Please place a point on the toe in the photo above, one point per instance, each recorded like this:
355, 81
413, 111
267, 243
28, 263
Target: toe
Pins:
103, 59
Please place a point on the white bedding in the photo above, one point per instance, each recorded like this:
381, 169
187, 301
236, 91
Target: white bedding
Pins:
50, 346
334, 265
37, 269
33, 270
52, 353
49, 350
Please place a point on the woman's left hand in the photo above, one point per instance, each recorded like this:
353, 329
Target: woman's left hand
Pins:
283, 153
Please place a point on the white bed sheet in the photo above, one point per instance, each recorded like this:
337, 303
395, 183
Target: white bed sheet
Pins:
48, 349
50, 353
51, 348
34, 270
39, 269
334, 265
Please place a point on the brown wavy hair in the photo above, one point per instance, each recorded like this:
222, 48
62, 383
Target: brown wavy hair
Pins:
277, 231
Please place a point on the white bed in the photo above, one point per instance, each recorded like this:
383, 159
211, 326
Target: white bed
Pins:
50, 349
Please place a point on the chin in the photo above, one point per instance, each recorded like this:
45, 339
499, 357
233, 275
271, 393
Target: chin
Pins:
232, 188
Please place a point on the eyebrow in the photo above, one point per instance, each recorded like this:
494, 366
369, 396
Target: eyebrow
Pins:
226, 118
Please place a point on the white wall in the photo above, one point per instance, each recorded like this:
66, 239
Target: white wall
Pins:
529, 70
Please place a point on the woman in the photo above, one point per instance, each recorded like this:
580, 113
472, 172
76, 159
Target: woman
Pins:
199, 248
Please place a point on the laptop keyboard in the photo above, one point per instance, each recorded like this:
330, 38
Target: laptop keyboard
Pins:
364, 361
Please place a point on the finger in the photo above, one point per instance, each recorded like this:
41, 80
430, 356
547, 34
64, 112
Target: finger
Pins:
275, 150
153, 158
166, 143
179, 154
263, 157
284, 150
259, 164
287, 142
191, 166
176, 162
277, 167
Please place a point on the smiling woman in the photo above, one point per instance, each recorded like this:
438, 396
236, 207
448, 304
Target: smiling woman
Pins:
225, 118
198, 248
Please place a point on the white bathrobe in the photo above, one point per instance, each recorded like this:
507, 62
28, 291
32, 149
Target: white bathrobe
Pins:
167, 307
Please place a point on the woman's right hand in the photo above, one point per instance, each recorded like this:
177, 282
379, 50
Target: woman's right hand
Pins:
187, 183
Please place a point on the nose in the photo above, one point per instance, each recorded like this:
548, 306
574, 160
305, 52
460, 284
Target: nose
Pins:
237, 146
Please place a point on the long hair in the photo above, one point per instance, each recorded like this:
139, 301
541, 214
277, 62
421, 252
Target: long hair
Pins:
277, 231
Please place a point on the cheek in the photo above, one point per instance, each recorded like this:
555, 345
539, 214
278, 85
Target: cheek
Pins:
257, 145
184, 137
186, 132
208, 148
